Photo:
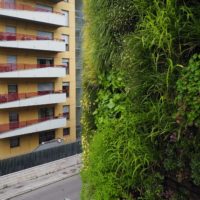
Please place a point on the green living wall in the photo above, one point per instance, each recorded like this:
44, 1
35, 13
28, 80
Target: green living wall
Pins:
141, 100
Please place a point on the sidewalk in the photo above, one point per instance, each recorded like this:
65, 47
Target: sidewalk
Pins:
24, 181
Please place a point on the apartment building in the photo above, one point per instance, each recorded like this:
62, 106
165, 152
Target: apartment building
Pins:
37, 74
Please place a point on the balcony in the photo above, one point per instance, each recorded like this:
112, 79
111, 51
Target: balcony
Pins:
16, 100
33, 126
32, 71
30, 13
23, 41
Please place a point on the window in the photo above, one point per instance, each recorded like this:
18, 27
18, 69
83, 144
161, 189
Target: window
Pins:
10, 29
9, 1
11, 33
46, 136
11, 59
78, 116
65, 38
78, 77
66, 88
12, 89
66, 111
78, 132
12, 92
46, 113
44, 8
66, 14
14, 142
45, 88
66, 131
43, 35
45, 62
13, 120
78, 97
65, 63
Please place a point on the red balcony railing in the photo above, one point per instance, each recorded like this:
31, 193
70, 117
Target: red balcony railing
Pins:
7, 36
14, 67
18, 96
18, 6
16, 125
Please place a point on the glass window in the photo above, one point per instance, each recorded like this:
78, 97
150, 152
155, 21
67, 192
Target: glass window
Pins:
65, 38
44, 8
78, 96
78, 115
46, 136
13, 120
10, 29
12, 59
46, 113
14, 142
44, 35
66, 111
45, 61
11, 33
12, 88
66, 88
65, 63
13, 92
45, 88
13, 116
9, 1
66, 131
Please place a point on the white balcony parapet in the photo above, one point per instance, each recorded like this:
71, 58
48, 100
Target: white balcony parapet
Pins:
43, 45
57, 19
37, 127
46, 72
46, 99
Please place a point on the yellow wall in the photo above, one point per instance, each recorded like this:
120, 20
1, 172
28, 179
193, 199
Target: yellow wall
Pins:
29, 142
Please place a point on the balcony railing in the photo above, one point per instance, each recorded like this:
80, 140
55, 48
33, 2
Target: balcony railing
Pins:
6, 36
17, 124
17, 6
14, 67
4, 98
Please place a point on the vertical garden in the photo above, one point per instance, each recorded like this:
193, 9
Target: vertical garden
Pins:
141, 100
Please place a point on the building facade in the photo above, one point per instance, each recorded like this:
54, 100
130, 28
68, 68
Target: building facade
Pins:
37, 74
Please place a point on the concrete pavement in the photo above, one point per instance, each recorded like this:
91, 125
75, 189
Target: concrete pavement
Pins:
66, 189
24, 181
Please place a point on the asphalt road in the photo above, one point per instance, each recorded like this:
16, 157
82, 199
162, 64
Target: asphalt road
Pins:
68, 189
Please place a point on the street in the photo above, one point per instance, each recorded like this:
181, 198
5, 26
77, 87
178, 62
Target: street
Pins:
68, 189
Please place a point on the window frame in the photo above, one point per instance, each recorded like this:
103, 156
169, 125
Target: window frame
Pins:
67, 133
14, 142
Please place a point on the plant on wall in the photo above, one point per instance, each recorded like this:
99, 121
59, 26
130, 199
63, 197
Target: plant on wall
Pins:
141, 99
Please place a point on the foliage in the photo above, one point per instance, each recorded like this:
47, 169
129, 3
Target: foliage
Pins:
140, 100
188, 92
